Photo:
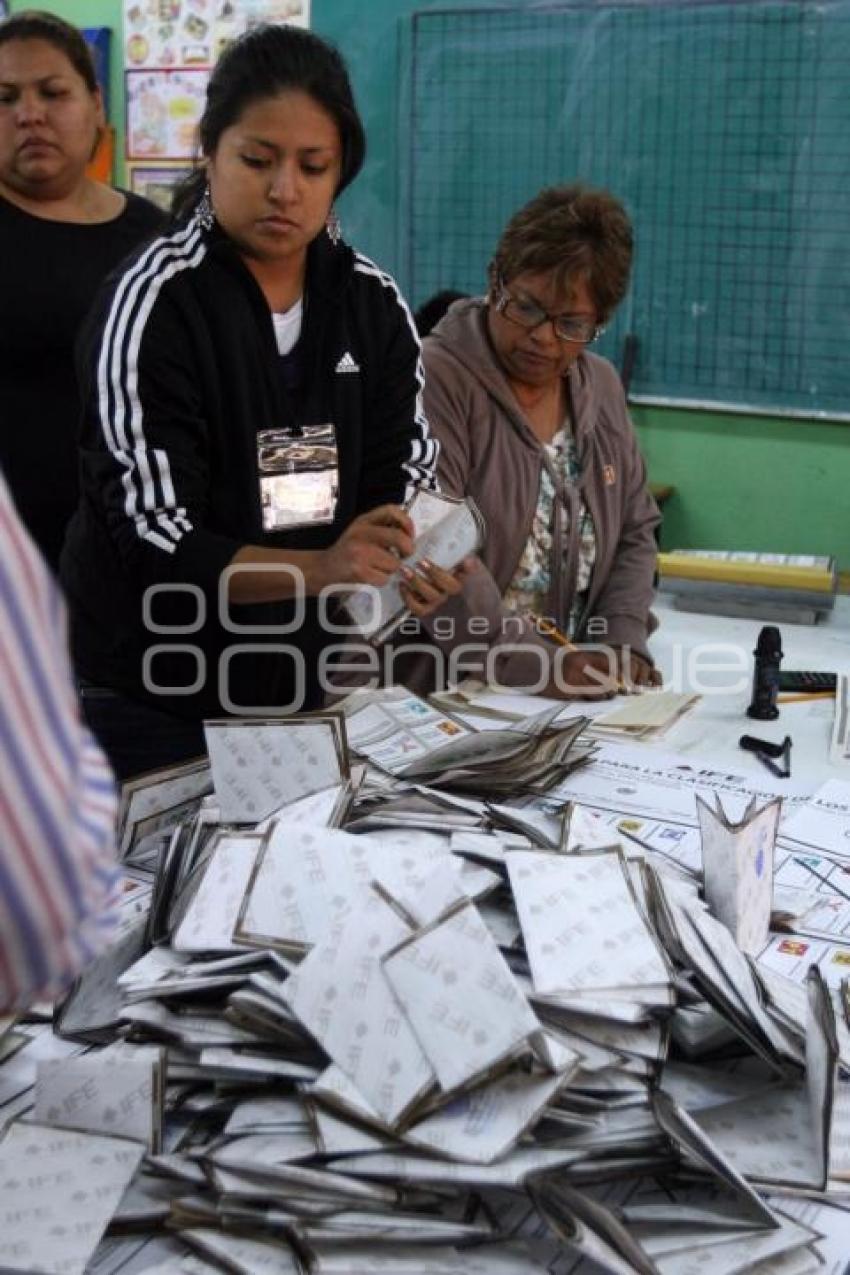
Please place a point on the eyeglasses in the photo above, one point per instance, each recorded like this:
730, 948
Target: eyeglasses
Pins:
526, 313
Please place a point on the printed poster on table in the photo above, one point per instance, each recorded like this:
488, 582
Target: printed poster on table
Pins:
173, 34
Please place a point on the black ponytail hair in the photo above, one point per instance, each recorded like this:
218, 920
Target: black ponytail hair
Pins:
267, 60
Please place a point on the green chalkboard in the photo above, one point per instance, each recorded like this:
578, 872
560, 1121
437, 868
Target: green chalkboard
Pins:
722, 126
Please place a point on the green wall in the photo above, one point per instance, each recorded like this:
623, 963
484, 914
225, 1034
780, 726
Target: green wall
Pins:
750, 482
742, 482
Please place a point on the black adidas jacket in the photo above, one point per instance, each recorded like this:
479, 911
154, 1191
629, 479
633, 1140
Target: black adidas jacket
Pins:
179, 371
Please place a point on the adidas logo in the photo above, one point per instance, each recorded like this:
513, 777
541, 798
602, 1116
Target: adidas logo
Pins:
347, 364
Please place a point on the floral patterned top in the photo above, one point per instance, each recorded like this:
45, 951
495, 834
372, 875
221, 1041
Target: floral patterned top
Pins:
529, 588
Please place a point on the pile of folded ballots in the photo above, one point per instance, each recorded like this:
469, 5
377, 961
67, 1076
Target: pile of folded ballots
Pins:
375, 1014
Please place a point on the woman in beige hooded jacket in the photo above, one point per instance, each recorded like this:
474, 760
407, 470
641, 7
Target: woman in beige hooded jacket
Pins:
535, 429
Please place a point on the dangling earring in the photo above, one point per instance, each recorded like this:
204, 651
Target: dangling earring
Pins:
204, 211
333, 227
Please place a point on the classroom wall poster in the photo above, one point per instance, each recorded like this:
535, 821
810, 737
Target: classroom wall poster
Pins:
169, 48
173, 34
157, 182
163, 110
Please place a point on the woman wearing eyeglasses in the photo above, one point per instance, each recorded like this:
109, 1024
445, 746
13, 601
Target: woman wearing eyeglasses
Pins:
534, 427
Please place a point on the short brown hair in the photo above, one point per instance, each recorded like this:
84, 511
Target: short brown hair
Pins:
36, 24
574, 232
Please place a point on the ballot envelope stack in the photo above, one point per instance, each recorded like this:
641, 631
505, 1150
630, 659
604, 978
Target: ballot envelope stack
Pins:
374, 1009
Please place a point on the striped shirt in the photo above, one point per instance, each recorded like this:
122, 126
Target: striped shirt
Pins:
59, 882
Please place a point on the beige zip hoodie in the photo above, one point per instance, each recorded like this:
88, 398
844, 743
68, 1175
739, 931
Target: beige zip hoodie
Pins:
488, 451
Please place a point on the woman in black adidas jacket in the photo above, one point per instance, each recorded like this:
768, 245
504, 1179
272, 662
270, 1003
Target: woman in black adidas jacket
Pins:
251, 316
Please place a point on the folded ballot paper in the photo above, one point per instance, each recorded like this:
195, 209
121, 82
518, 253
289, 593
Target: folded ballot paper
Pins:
446, 531
213, 895
723, 975
118, 1091
783, 1134
153, 804
394, 728
58, 1191
341, 995
644, 716
426, 1022
737, 864
645, 1234
92, 1009
259, 765
460, 997
305, 877
583, 929
402, 734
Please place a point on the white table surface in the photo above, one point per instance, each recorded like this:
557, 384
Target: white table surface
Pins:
714, 655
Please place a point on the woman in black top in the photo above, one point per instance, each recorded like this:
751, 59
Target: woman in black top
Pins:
212, 526
60, 235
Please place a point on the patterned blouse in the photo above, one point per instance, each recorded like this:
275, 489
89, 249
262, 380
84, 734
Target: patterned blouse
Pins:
529, 588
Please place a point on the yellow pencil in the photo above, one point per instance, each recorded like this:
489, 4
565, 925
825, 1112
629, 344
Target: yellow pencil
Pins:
549, 630
800, 699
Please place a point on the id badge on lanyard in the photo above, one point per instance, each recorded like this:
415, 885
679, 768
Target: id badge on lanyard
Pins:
299, 477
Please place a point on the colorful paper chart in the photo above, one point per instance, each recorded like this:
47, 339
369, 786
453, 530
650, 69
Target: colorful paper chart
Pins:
170, 33
174, 34
169, 48
163, 110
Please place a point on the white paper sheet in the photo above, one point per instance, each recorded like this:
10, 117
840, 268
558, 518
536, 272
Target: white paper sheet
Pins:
823, 823
446, 530
117, 1092
259, 766
582, 928
658, 785
341, 995
210, 918
738, 870
460, 996
58, 1191
483, 1124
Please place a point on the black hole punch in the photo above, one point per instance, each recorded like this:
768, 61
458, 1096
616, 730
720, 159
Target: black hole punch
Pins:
765, 750
753, 745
